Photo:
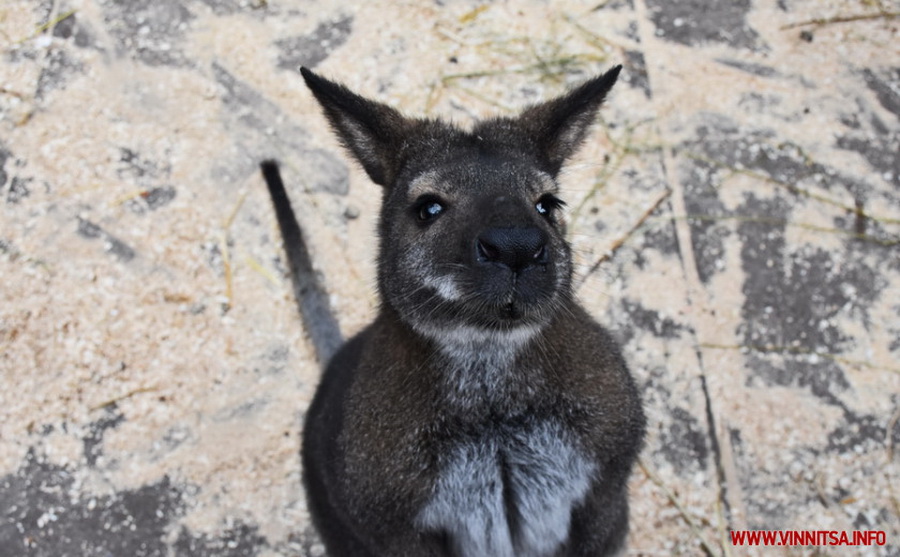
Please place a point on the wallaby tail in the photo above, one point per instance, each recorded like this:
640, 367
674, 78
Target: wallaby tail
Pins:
312, 298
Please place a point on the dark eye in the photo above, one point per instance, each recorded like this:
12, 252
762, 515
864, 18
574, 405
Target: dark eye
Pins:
548, 204
428, 208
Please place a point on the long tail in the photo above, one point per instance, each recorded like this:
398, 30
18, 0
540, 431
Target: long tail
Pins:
312, 298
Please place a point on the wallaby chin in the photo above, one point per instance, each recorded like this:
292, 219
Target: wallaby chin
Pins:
483, 412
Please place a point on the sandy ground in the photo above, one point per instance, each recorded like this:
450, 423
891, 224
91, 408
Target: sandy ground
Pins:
735, 215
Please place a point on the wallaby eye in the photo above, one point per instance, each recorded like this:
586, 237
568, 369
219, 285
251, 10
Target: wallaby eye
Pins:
548, 204
428, 208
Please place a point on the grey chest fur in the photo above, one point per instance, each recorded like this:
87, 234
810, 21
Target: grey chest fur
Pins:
510, 492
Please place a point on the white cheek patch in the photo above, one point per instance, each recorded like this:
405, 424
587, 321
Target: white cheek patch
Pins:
535, 473
445, 287
416, 261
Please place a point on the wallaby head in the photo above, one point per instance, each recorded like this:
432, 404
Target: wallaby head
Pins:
471, 238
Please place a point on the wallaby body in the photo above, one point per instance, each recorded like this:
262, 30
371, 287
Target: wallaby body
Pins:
483, 413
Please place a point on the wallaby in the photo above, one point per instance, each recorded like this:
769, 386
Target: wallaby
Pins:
484, 412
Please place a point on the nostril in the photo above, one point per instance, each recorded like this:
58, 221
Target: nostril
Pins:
486, 251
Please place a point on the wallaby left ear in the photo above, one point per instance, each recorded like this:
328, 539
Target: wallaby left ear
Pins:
373, 132
560, 125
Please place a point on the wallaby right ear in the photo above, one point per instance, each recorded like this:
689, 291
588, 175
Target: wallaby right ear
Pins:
373, 132
560, 125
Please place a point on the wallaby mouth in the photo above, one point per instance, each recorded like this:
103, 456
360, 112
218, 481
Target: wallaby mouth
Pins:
522, 303
520, 298
525, 294
512, 312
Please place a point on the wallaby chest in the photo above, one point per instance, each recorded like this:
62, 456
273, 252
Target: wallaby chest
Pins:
508, 489
508, 476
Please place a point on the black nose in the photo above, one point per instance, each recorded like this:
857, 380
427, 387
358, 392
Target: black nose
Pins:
516, 248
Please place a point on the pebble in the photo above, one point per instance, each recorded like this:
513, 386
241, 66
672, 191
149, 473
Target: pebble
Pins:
351, 212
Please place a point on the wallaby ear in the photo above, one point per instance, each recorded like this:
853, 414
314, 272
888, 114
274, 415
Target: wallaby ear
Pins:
559, 126
373, 132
